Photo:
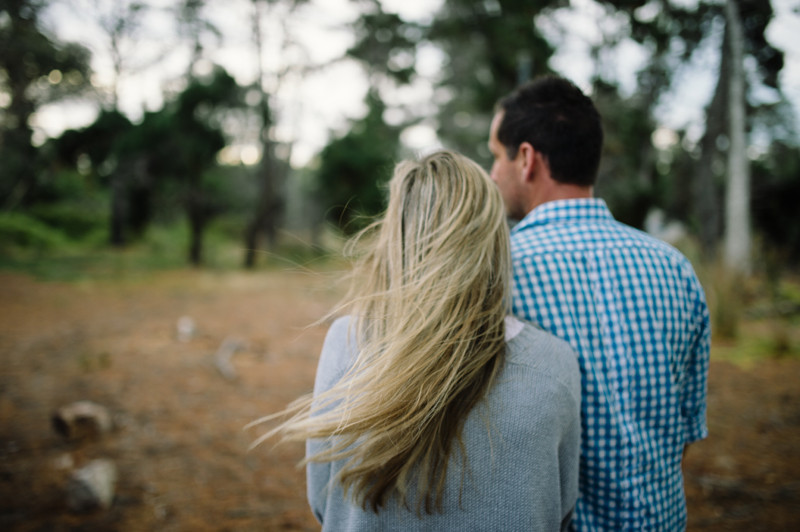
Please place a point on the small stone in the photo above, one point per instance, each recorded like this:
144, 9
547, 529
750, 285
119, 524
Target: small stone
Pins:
222, 358
82, 419
186, 328
92, 486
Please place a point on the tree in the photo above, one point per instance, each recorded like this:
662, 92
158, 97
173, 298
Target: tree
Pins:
627, 178
265, 218
673, 32
34, 70
354, 168
195, 137
737, 211
491, 47
776, 187
175, 148
272, 170
95, 149
193, 26
121, 24
385, 44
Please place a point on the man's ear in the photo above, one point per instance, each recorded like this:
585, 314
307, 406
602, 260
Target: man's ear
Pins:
527, 159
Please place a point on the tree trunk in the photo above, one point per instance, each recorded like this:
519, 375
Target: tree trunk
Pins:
196, 246
118, 208
737, 201
705, 189
197, 224
265, 219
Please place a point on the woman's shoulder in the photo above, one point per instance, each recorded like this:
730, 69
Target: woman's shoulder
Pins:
340, 327
338, 337
524, 335
337, 353
539, 350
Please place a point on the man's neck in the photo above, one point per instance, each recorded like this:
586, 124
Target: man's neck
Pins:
560, 191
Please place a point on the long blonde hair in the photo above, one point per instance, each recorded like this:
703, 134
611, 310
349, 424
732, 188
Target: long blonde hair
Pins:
428, 299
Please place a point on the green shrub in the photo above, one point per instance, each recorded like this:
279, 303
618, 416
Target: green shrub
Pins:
19, 230
73, 219
166, 243
726, 304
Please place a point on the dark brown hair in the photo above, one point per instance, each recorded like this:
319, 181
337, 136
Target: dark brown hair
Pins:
559, 121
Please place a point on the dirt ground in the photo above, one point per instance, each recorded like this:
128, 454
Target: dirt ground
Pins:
180, 448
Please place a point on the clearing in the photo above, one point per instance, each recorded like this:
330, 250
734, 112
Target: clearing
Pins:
180, 448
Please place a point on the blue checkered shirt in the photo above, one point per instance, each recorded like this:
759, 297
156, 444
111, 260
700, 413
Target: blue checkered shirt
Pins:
632, 308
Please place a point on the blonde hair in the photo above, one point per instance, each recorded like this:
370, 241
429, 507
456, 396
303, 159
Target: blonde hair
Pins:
428, 300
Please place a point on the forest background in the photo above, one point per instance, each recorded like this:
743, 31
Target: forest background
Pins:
227, 149
194, 136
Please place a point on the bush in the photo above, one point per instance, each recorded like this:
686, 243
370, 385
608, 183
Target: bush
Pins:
74, 220
19, 230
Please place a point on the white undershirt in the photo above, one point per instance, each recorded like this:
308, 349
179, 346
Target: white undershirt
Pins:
513, 327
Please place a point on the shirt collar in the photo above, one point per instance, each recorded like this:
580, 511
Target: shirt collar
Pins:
565, 211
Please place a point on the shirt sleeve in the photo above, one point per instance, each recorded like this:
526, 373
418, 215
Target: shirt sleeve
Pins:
694, 390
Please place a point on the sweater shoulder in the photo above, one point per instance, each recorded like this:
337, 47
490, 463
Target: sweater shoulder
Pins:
539, 351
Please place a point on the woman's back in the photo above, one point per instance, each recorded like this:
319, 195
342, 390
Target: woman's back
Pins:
439, 413
521, 442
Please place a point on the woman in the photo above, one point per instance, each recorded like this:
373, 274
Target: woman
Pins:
433, 410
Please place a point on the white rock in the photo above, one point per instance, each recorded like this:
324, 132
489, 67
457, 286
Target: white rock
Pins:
81, 419
186, 328
222, 358
92, 486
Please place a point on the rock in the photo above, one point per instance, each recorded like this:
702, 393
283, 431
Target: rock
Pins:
186, 328
82, 419
92, 486
222, 359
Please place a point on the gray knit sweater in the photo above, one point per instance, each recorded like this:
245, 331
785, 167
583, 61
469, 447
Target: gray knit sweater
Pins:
522, 446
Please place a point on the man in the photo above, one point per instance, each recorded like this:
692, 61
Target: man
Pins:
630, 305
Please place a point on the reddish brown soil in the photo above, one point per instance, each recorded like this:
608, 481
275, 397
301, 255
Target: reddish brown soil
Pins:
180, 447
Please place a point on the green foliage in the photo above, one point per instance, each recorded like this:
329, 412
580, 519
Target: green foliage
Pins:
72, 203
726, 303
756, 16
71, 215
99, 142
776, 187
165, 243
27, 58
19, 230
70, 185
627, 178
386, 44
354, 169
491, 48
72, 219
166, 162
182, 140
161, 247
755, 318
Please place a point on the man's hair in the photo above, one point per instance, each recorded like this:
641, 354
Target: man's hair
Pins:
559, 121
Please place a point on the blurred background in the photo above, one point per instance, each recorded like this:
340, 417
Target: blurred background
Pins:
145, 139
168, 122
